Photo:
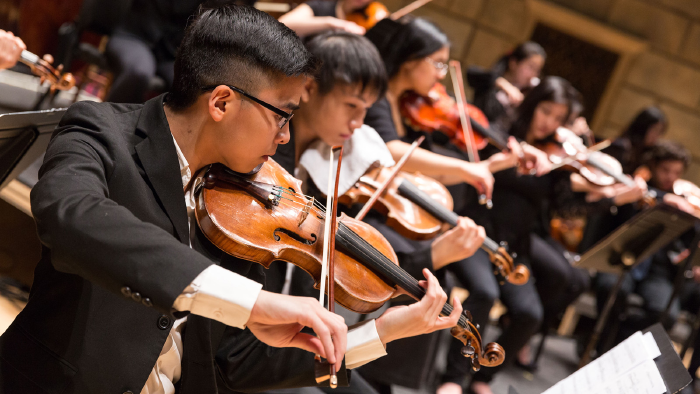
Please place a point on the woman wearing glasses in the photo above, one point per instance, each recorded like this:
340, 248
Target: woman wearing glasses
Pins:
415, 54
499, 91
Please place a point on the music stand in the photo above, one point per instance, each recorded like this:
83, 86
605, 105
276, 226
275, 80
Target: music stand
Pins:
692, 261
632, 242
23, 138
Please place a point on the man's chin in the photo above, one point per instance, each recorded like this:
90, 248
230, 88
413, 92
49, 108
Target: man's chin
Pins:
245, 168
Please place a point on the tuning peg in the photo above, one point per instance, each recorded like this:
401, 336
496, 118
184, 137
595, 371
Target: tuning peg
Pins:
468, 350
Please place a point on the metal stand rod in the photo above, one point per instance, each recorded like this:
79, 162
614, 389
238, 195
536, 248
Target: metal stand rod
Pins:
680, 277
540, 346
602, 320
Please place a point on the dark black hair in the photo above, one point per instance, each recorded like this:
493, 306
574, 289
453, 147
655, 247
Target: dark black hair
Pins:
406, 39
554, 89
519, 53
577, 105
235, 45
666, 150
348, 59
637, 130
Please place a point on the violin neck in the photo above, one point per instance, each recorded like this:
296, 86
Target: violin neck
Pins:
423, 200
496, 140
652, 193
354, 245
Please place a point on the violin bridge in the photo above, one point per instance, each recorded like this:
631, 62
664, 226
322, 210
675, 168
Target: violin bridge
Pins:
305, 211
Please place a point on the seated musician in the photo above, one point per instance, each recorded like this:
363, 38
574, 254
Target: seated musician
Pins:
331, 113
128, 296
640, 136
11, 48
315, 16
653, 278
499, 91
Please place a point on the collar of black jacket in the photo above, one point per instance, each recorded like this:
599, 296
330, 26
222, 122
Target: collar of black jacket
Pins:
159, 160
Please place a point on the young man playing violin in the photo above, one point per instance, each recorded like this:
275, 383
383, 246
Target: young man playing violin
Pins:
129, 297
331, 113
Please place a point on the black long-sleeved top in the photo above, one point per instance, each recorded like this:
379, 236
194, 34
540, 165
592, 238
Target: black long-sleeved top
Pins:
484, 84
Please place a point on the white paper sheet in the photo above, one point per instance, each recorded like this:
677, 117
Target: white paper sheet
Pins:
614, 371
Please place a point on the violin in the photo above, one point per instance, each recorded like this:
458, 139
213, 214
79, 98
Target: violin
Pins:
43, 68
438, 112
681, 187
689, 191
375, 11
368, 16
417, 207
262, 218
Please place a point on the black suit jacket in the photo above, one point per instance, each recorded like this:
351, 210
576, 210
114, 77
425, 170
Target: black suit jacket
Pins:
111, 215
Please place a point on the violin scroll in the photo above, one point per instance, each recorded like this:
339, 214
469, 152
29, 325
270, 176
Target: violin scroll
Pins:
503, 263
491, 356
520, 275
43, 68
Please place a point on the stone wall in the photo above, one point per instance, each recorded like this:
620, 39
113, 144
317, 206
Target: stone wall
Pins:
666, 73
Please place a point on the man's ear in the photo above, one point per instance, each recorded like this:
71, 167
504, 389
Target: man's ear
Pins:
222, 101
310, 88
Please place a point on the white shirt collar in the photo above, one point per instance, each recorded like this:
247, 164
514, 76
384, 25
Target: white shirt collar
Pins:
185, 171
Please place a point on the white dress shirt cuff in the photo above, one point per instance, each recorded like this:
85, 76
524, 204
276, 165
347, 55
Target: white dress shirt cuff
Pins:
364, 345
219, 294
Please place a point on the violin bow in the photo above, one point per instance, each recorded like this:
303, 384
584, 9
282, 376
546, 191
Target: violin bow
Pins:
328, 266
395, 171
458, 83
408, 9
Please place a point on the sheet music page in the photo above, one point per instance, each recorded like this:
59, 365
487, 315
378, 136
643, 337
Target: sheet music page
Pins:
642, 379
613, 370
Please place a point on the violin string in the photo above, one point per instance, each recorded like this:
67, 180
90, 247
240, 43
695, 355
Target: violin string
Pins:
377, 256
316, 203
373, 253
301, 206
410, 280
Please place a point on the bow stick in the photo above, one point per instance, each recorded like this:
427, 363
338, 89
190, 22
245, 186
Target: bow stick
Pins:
328, 265
456, 76
395, 171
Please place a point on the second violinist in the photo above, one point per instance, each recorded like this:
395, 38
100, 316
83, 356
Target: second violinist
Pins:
331, 112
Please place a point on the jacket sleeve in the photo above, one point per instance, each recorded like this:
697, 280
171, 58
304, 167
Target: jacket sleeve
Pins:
92, 236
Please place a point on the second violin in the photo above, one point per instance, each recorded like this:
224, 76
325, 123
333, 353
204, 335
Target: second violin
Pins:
417, 207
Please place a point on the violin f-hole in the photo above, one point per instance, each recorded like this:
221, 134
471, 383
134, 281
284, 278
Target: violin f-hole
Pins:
294, 236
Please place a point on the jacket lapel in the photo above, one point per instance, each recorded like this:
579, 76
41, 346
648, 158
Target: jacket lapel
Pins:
159, 160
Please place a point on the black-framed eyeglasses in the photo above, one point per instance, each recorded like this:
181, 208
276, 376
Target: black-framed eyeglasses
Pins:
286, 116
